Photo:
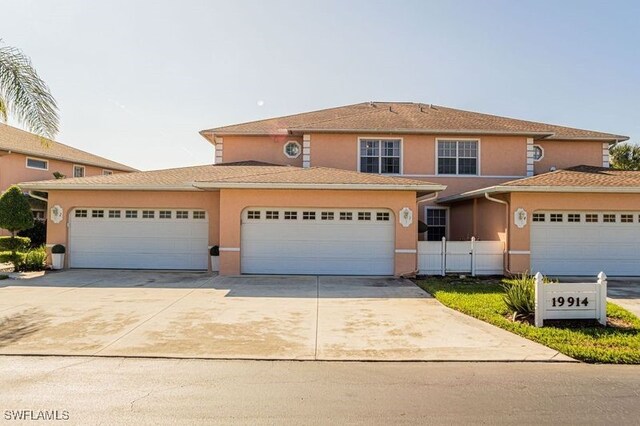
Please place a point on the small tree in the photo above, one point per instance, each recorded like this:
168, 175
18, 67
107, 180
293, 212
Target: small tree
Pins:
625, 156
15, 215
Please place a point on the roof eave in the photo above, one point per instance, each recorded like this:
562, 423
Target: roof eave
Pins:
371, 187
104, 187
500, 189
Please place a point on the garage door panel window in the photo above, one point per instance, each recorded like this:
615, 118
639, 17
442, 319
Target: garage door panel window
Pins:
81, 213
327, 216
573, 217
364, 215
539, 217
290, 215
308, 215
556, 217
382, 216
608, 218
165, 214
253, 214
114, 214
591, 218
346, 216
97, 213
182, 214
199, 215
272, 215
626, 218
148, 214
131, 214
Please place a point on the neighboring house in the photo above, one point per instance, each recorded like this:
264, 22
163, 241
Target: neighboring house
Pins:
27, 157
339, 191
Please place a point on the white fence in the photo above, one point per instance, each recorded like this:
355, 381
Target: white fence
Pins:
472, 257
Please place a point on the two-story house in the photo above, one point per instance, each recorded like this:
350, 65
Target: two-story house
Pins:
340, 191
26, 157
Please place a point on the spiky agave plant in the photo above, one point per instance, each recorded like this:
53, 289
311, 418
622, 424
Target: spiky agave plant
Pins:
519, 296
24, 95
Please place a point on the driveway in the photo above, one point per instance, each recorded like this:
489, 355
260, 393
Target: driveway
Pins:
626, 293
196, 315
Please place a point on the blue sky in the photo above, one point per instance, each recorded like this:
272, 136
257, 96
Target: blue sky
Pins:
137, 79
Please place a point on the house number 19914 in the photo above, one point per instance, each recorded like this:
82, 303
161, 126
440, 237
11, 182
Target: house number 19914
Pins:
572, 302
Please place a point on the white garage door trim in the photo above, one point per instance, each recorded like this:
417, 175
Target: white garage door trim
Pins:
317, 241
135, 238
585, 243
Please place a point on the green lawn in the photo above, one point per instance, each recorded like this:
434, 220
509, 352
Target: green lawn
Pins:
482, 299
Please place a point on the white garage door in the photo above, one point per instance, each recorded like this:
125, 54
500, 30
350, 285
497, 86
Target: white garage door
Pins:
317, 241
585, 243
137, 238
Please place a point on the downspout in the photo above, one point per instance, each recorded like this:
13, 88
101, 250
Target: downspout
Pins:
507, 233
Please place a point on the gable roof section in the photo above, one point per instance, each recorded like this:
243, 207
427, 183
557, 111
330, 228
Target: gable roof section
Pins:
407, 117
574, 179
22, 142
237, 175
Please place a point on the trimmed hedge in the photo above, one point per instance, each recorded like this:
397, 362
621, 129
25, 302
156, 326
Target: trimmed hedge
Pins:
16, 244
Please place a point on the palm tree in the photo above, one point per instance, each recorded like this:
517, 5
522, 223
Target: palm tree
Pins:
24, 95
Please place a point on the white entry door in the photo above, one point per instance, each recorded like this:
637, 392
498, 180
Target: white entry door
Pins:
585, 243
138, 238
317, 241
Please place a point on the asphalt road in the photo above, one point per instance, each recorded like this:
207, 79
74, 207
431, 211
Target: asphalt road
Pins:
165, 391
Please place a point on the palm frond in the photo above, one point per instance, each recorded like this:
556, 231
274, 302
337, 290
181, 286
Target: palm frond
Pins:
3, 110
24, 95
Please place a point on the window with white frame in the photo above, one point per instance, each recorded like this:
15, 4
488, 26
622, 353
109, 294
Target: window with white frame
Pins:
457, 157
538, 153
106, 172
436, 224
78, 171
36, 163
380, 156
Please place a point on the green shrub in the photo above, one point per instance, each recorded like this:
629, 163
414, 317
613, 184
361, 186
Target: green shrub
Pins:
519, 295
16, 258
34, 260
14, 244
58, 249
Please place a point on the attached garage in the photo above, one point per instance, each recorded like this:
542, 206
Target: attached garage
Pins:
317, 241
134, 238
585, 242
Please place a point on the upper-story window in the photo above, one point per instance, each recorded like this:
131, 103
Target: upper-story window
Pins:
36, 163
106, 172
380, 156
457, 157
292, 149
538, 153
78, 171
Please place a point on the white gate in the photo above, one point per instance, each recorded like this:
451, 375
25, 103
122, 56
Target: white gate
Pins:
472, 257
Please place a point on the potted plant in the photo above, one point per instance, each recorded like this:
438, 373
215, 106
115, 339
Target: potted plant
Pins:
214, 252
57, 256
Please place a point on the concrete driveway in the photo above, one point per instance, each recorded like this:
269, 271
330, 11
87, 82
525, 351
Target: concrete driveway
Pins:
626, 293
196, 315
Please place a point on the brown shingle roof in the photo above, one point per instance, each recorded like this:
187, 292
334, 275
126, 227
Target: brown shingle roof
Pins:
581, 176
574, 179
406, 117
234, 175
20, 141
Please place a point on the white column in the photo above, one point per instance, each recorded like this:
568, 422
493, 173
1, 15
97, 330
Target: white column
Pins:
602, 298
529, 156
539, 300
605, 154
306, 151
219, 146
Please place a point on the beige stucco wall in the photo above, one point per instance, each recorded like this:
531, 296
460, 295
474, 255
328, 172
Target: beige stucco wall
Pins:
480, 218
269, 149
234, 201
563, 154
519, 239
68, 200
419, 153
13, 169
